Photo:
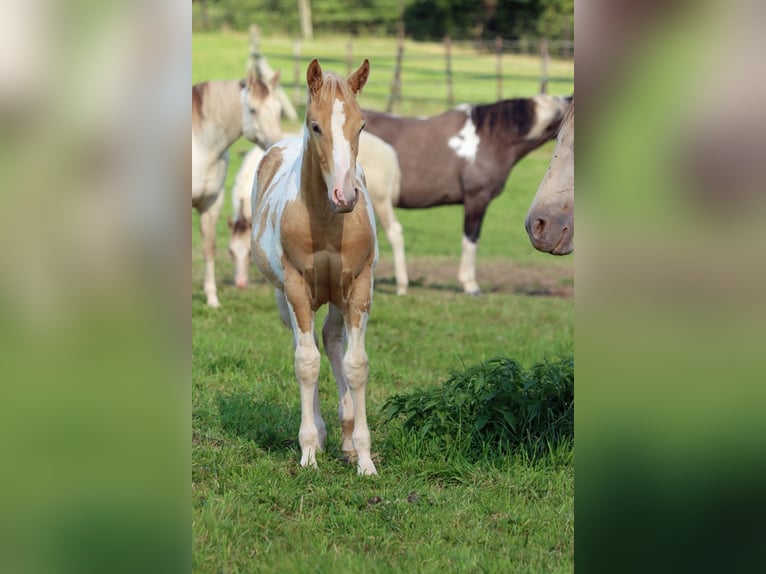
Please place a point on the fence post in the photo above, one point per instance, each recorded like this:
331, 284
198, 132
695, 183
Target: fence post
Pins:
349, 57
255, 48
396, 84
297, 92
448, 55
544, 71
499, 66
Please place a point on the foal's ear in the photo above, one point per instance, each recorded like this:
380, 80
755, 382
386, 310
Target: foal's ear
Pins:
314, 77
358, 79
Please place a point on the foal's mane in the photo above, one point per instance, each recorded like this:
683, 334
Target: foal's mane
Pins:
514, 117
332, 83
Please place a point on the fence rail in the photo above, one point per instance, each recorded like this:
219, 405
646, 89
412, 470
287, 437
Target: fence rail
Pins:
423, 83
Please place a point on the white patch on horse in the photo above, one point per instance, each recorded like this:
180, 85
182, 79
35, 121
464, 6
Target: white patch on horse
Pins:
289, 170
341, 147
546, 110
466, 143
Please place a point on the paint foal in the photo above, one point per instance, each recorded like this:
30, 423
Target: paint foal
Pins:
222, 111
464, 156
314, 240
383, 176
550, 221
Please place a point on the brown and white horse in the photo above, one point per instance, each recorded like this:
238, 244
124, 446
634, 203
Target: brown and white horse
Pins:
383, 176
550, 220
222, 111
314, 240
464, 156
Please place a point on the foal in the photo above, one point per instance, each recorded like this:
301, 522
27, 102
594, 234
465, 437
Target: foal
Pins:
381, 170
314, 240
221, 112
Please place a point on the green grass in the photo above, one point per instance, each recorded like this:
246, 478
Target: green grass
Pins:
430, 509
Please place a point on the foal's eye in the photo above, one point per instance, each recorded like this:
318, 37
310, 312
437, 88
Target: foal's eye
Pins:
315, 128
362, 128
252, 111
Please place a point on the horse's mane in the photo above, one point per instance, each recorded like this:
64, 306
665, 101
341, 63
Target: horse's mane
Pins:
331, 84
515, 117
568, 114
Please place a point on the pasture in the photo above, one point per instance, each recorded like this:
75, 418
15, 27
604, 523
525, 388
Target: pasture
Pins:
255, 509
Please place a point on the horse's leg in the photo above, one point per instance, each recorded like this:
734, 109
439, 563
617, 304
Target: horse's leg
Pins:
384, 209
208, 219
334, 339
475, 206
356, 366
307, 361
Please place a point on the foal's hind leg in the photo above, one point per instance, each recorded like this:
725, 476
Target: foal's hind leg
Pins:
208, 219
334, 339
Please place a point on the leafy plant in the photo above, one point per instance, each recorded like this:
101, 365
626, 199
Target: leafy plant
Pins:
491, 409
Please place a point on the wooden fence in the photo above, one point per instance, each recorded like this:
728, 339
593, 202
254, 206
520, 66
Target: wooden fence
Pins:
440, 88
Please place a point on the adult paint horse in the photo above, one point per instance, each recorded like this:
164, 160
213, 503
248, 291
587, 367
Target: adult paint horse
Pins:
383, 176
464, 155
221, 112
550, 220
314, 240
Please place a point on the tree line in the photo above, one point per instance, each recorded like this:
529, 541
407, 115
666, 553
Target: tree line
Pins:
423, 19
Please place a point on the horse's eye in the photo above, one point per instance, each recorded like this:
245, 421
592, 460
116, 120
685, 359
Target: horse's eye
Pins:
253, 111
315, 128
362, 128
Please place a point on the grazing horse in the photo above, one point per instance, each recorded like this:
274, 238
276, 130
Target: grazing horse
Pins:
550, 220
464, 155
381, 170
221, 112
314, 239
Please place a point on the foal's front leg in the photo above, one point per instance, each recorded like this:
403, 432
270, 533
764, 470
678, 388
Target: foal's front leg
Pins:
334, 339
356, 367
207, 220
307, 361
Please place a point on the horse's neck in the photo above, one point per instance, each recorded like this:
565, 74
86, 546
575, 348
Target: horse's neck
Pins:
221, 124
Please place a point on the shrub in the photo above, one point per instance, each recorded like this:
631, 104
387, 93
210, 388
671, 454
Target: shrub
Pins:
492, 409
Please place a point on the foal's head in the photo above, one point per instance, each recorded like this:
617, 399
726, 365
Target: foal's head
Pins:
261, 110
333, 123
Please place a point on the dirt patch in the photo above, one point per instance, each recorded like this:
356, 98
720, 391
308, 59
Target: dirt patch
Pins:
494, 276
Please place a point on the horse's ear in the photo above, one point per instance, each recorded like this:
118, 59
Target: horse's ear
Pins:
358, 79
314, 77
274, 81
255, 84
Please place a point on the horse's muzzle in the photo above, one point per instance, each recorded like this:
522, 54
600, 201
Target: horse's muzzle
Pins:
340, 204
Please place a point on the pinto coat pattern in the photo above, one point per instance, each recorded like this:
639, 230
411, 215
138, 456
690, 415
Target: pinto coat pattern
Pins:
314, 239
464, 156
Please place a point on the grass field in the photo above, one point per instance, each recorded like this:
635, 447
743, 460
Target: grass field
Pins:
255, 510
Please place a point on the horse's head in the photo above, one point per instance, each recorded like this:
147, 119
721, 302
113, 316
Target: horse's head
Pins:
261, 110
549, 113
550, 221
239, 249
333, 123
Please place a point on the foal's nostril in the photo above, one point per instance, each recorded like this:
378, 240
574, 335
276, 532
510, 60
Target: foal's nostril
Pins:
538, 228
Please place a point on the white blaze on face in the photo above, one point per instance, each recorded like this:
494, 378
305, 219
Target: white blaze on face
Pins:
466, 143
547, 108
341, 151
